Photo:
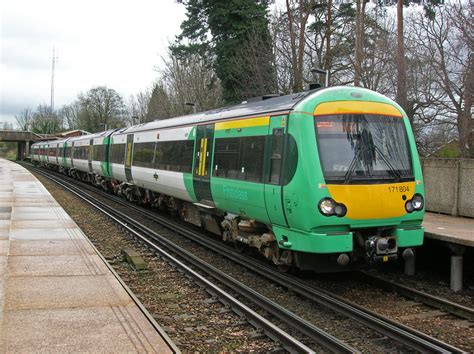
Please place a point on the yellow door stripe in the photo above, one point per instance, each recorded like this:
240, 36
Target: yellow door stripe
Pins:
129, 155
243, 123
200, 157
356, 107
204, 153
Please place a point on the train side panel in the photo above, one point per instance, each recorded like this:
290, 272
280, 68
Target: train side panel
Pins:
163, 178
237, 181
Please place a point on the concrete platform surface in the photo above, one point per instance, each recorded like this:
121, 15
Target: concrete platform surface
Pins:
56, 293
449, 229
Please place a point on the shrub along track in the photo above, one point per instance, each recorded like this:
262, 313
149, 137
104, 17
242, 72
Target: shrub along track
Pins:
357, 335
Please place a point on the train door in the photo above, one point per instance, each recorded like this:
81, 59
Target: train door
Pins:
202, 164
91, 152
128, 158
72, 154
273, 179
57, 154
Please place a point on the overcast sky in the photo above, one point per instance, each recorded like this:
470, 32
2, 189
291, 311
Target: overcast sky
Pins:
115, 43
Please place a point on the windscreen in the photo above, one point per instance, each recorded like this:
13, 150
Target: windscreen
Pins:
357, 148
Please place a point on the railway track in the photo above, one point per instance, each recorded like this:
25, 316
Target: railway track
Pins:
157, 243
436, 302
400, 333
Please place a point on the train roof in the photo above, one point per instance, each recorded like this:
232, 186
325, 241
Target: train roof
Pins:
245, 109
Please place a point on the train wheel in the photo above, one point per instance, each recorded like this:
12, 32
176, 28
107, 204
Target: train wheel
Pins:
240, 246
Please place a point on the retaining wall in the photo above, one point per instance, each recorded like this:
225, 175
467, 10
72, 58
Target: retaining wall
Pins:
449, 186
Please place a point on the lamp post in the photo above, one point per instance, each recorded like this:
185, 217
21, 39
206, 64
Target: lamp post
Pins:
191, 104
136, 120
316, 71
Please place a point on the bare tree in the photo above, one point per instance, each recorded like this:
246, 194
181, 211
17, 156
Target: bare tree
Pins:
44, 121
185, 85
101, 107
71, 115
447, 49
24, 119
298, 12
401, 69
138, 107
359, 40
461, 16
327, 44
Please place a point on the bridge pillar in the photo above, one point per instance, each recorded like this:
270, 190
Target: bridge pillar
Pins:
21, 151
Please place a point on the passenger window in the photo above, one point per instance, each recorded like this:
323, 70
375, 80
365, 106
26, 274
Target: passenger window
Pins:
239, 158
117, 153
252, 158
226, 158
276, 156
176, 155
143, 154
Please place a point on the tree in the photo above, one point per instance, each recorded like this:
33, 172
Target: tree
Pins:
446, 47
101, 107
71, 115
138, 106
44, 121
401, 69
328, 44
24, 119
359, 42
160, 105
220, 31
184, 82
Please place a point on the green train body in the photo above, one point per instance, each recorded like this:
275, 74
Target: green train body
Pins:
323, 180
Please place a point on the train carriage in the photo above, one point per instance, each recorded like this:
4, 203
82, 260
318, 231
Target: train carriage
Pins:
159, 161
322, 180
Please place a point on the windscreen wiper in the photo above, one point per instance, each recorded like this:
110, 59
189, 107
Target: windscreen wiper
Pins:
351, 168
397, 175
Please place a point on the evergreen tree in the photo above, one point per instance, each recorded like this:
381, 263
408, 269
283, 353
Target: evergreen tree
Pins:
235, 34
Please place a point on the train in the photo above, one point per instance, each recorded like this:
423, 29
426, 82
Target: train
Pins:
323, 180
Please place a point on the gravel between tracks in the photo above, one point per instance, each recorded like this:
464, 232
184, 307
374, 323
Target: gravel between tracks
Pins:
182, 309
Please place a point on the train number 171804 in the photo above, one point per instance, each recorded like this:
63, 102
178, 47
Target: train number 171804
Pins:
399, 189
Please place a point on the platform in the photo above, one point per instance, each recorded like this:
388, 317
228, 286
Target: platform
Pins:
458, 234
57, 294
449, 229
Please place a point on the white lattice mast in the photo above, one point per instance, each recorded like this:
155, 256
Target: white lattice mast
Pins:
55, 59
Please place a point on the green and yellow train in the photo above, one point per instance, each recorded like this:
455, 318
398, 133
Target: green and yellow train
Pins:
325, 180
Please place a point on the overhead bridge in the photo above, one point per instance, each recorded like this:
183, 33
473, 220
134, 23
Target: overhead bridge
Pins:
24, 140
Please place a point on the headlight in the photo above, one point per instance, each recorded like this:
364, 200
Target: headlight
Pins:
340, 210
326, 206
409, 206
417, 202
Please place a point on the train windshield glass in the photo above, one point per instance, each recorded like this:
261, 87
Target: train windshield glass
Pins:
357, 148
